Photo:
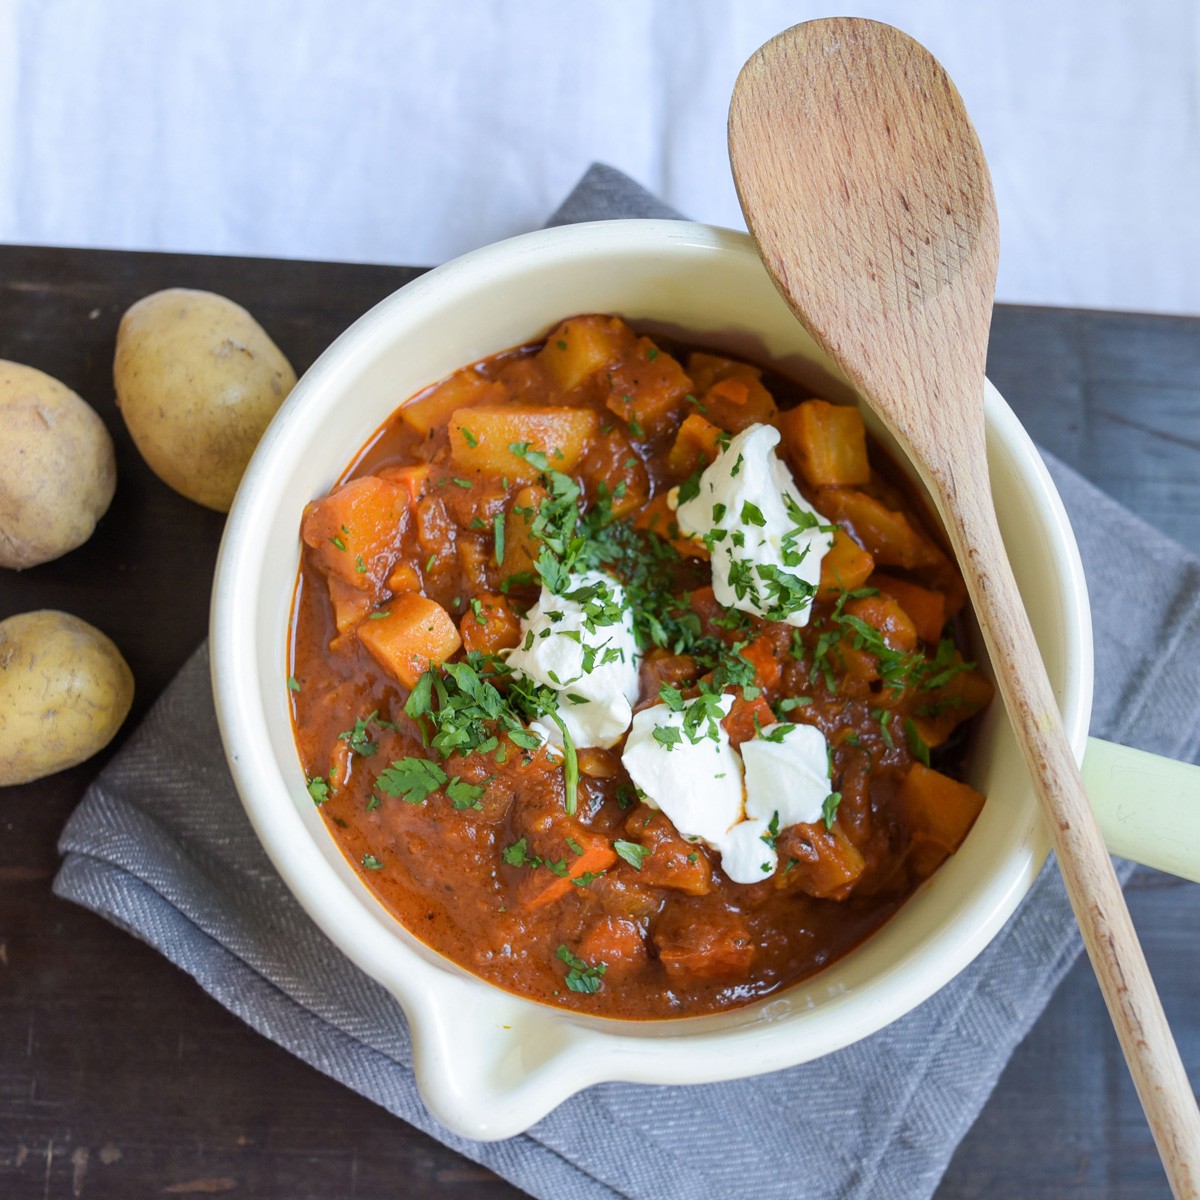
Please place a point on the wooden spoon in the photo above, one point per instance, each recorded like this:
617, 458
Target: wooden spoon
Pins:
866, 190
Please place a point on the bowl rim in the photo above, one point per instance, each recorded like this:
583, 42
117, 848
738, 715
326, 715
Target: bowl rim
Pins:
687, 1049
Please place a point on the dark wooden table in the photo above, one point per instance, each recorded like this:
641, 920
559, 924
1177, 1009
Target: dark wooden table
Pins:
119, 1077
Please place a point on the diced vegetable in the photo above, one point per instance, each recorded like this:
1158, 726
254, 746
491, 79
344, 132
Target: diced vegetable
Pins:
416, 481
404, 579
746, 718
737, 402
827, 442
818, 861
648, 389
707, 369
618, 943
598, 763
355, 530
939, 810
474, 557
887, 536
350, 604
581, 347
927, 608
431, 410
941, 710
845, 567
888, 619
719, 947
764, 653
559, 434
414, 635
435, 529
521, 547
491, 625
612, 468
542, 886
672, 861
696, 444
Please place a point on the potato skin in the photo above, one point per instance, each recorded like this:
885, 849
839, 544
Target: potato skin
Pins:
59, 472
197, 381
64, 692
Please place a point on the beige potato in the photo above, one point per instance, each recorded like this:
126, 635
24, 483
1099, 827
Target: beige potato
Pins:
197, 381
57, 469
64, 692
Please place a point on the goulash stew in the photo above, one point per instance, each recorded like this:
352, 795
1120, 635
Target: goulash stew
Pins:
627, 680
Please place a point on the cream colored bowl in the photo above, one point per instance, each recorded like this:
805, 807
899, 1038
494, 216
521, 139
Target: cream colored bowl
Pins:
488, 1063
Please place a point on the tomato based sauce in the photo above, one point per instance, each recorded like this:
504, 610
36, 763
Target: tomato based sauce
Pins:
543, 870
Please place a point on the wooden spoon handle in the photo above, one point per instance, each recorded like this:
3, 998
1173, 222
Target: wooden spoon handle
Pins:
1092, 885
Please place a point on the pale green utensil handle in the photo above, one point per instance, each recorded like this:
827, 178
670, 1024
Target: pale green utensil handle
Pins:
1148, 807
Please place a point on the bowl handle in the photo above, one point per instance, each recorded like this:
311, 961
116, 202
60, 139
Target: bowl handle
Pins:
1148, 807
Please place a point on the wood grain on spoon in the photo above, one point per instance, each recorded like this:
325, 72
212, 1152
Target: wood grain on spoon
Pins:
865, 188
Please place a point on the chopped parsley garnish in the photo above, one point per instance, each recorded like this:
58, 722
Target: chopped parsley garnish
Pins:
916, 743
465, 795
359, 737
468, 437
581, 977
498, 534
633, 853
319, 790
829, 808
293, 683
517, 855
371, 863
412, 779
337, 541
777, 734
771, 837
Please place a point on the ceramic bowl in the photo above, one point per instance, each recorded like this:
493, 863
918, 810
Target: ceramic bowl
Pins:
489, 1064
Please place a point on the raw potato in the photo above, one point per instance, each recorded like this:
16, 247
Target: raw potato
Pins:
197, 381
59, 472
64, 691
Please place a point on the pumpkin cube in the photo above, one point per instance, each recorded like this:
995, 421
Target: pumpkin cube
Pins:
410, 636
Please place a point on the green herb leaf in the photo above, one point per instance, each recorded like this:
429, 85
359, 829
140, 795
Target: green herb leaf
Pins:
916, 743
633, 853
498, 534
465, 795
581, 977
829, 808
412, 779
371, 863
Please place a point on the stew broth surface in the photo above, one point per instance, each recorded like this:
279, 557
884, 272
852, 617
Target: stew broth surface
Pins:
484, 866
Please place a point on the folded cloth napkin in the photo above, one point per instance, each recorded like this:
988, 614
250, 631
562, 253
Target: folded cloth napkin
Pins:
161, 847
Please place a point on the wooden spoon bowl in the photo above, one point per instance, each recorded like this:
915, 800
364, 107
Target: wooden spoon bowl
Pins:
866, 190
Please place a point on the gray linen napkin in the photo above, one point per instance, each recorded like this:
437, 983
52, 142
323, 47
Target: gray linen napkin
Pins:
161, 847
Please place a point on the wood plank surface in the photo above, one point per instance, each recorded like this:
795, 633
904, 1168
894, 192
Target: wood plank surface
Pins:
119, 1077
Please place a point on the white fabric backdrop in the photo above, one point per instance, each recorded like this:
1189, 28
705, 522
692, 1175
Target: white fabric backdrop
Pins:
408, 132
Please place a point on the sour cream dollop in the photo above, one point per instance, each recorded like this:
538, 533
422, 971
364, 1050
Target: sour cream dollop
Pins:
581, 644
765, 539
735, 804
